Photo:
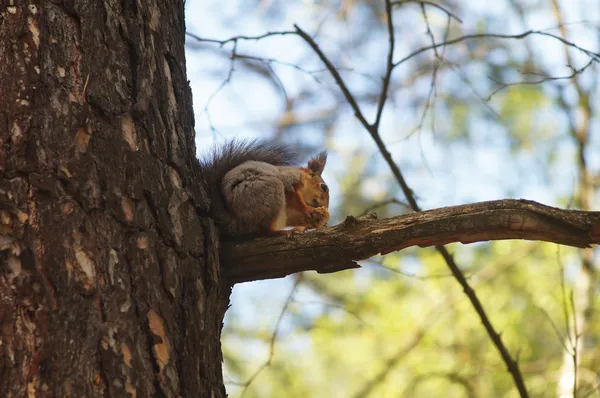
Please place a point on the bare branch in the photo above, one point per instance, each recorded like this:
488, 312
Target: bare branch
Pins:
452, 377
576, 350
556, 330
580, 129
221, 87
543, 79
591, 54
390, 64
432, 94
338, 306
336, 75
564, 299
373, 130
429, 3
338, 248
391, 363
235, 39
456, 69
273, 339
383, 204
406, 274
511, 364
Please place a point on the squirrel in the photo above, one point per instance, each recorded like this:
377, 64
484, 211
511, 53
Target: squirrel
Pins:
254, 190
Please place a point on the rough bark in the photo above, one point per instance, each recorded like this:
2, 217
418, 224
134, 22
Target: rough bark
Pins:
338, 248
109, 276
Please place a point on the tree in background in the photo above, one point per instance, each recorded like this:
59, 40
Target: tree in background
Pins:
481, 101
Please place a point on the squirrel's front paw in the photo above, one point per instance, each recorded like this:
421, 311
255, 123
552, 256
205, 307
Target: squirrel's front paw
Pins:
317, 217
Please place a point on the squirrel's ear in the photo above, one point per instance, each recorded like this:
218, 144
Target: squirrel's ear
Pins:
317, 164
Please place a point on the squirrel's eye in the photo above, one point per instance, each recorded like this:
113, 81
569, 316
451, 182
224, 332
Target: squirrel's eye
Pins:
324, 187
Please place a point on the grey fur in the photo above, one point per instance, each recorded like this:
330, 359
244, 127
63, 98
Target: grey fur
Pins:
247, 181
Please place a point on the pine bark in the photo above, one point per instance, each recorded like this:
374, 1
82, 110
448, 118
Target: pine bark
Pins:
109, 275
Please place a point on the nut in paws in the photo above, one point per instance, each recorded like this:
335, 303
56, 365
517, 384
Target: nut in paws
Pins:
317, 217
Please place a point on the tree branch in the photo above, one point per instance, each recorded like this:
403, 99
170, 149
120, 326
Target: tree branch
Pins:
336, 75
389, 67
235, 39
338, 248
373, 130
429, 3
589, 53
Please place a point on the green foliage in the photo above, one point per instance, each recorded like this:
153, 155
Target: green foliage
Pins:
522, 109
420, 337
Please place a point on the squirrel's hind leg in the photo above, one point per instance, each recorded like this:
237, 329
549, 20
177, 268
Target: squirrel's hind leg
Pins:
278, 225
255, 197
279, 222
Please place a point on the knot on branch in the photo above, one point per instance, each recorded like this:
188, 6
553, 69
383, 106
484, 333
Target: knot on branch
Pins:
352, 221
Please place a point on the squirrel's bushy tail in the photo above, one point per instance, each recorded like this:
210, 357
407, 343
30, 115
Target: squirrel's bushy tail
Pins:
232, 154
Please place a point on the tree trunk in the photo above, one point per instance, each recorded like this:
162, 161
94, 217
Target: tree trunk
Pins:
109, 276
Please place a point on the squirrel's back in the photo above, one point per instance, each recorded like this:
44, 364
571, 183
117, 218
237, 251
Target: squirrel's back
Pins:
236, 152
228, 157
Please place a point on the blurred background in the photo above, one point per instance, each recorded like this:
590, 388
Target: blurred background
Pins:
490, 117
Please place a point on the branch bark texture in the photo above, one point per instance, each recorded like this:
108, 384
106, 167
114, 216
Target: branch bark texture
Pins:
339, 248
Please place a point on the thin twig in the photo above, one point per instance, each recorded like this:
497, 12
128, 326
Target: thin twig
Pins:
580, 132
402, 352
242, 37
220, 87
453, 377
561, 338
338, 306
563, 289
419, 277
462, 76
429, 3
273, 338
478, 36
390, 65
336, 75
539, 81
432, 94
385, 203
575, 346
269, 61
